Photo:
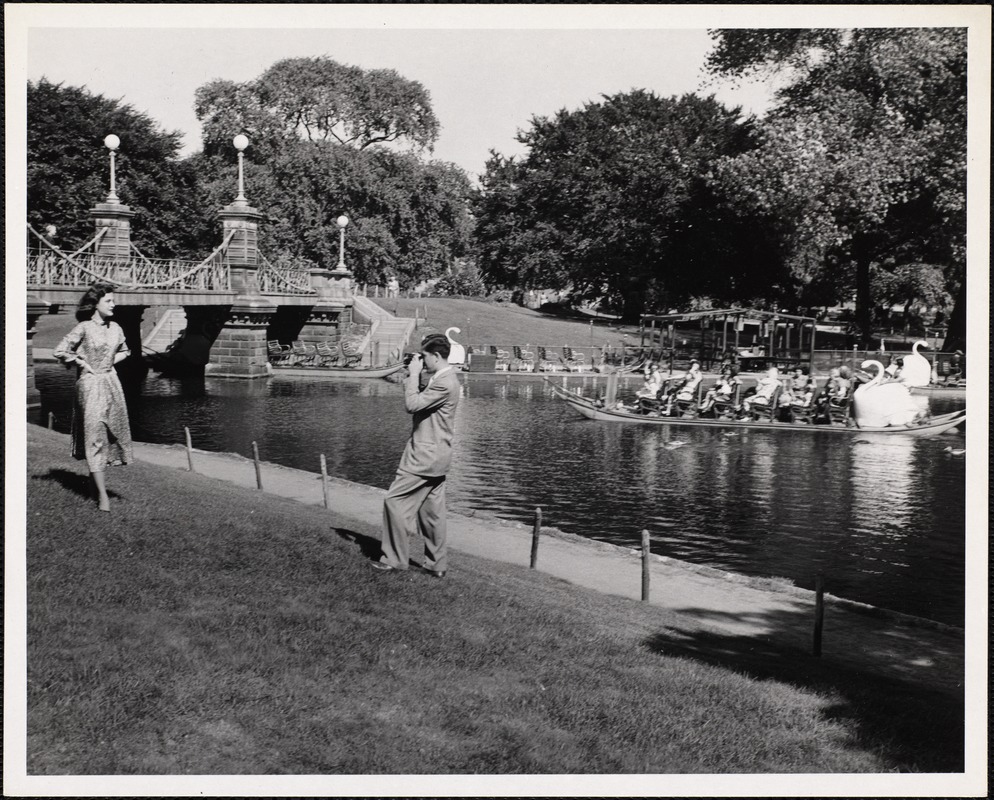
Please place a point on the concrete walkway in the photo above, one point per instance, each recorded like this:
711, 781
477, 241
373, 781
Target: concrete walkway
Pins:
857, 637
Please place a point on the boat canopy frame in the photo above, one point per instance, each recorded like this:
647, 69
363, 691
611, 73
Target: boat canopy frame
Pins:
778, 330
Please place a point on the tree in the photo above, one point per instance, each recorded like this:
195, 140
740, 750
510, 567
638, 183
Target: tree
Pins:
317, 99
407, 218
610, 198
68, 171
862, 162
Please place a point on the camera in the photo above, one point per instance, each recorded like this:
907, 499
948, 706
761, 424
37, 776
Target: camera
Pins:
408, 358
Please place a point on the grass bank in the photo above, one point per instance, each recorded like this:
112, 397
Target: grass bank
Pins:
203, 628
506, 323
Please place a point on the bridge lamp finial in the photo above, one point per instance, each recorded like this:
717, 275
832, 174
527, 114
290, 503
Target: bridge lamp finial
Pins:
342, 222
111, 142
240, 142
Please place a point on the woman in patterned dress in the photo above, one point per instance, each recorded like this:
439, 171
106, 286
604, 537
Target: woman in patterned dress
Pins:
100, 430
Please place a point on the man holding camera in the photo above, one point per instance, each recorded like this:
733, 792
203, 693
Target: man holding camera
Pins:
416, 499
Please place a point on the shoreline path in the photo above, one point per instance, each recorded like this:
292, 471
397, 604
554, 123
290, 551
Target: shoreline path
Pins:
856, 637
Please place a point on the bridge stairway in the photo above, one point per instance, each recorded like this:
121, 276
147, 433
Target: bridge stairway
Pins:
390, 334
390, 337
165, 330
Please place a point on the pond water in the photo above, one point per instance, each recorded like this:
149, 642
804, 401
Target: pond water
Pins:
883, 520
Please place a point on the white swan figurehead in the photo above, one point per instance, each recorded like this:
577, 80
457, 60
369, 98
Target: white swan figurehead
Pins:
917, 370
457, 353
879, 405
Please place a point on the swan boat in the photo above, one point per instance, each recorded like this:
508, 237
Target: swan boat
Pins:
591, 410
339, 372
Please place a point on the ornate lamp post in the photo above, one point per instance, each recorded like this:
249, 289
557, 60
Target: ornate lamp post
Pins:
241, 142
111, 142
343, 222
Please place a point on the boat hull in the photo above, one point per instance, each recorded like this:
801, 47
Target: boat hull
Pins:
338, 372
933, 427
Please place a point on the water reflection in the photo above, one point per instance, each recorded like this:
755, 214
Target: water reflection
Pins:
883, 521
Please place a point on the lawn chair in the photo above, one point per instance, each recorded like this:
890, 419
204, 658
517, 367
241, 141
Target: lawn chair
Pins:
279, 354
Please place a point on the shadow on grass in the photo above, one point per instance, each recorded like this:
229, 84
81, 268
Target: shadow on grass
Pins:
73, 481
914, 726
368, 545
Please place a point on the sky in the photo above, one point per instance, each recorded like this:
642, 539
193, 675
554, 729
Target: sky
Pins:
485, 85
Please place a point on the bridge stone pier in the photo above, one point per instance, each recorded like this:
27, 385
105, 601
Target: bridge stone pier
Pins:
240, 348
235, 300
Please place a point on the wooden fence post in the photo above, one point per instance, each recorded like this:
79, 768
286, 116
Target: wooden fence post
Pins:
258, 467
646, 556
51, 420
536, 532
819, 613
189, 449
324, 479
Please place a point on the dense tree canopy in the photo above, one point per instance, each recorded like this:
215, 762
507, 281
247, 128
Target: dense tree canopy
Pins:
317, 99
68, 170
861, 166
611, 200
407, 218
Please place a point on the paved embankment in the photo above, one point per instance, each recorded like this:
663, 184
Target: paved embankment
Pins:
859, 637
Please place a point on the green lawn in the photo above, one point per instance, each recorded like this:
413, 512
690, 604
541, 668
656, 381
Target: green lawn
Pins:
204, 628
507, 324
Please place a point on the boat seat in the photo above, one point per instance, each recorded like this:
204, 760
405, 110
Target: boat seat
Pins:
839, 412
304, 354
351, 348
328, 354
656, 405
574, 362
503, 358
278, 353
724, 407
683, 407
809, 412
524, 360
765, 411
545, 363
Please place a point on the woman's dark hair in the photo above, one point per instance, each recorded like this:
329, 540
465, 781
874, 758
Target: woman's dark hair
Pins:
88, 302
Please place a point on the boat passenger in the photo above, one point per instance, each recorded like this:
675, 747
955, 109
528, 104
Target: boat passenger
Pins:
653, 382
894, 369
765, 389
688, 385
724, 389
804, 398
845, 383
955, 374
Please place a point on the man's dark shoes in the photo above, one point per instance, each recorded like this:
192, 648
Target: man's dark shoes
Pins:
379, 566
435, 573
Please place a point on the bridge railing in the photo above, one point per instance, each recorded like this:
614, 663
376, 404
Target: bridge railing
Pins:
46, 268
283, 278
